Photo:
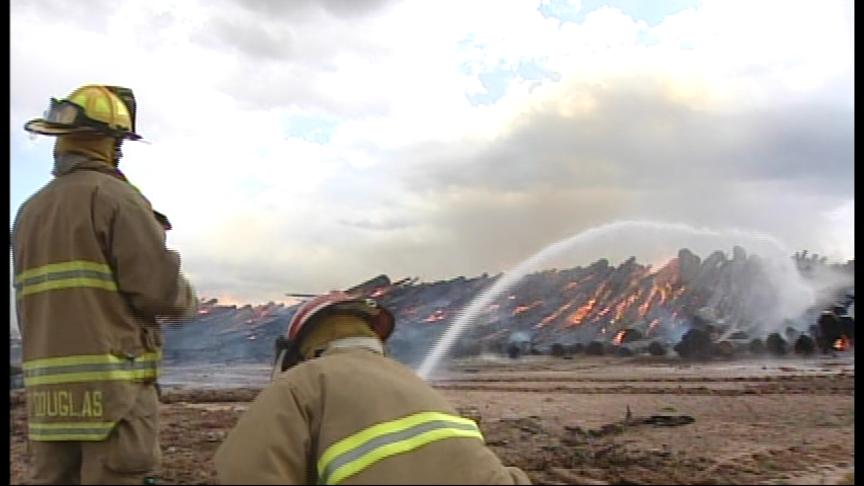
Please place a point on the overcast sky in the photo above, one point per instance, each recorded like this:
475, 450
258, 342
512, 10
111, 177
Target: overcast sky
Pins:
304, 146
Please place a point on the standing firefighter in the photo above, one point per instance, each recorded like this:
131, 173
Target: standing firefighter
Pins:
339, 412
91, 275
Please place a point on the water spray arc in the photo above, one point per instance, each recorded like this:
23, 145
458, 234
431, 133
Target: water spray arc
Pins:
469, 314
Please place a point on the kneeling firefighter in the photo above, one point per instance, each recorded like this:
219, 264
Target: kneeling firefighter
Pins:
338, 411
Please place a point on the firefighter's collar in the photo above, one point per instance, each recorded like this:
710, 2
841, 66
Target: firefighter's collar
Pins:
70, 162
372, 344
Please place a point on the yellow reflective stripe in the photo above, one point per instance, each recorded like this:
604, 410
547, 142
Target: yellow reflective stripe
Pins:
56, 431
67, 283
113, 375
86, 359
99, 367
63, 267
365, 435
400, 447
358, 451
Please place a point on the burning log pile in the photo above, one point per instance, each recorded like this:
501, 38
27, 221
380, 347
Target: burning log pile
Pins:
716, 307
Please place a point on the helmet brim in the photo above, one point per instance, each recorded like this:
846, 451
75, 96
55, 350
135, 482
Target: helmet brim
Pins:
44, 127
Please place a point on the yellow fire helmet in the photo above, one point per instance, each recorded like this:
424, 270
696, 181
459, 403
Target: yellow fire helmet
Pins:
90, 108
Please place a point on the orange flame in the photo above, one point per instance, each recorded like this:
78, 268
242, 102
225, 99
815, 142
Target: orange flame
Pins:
551, 317
619, 336
524, 308
438, 315
575, 284
576, 318
646, 306
670, 271
665, 292
625, 304
842, 344
653, 325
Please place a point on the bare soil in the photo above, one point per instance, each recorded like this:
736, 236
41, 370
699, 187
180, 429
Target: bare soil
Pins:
583, 421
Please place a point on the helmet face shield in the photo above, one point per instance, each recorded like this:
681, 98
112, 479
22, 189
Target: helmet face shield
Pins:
63, 112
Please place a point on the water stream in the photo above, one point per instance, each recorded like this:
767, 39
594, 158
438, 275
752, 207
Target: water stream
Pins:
766, 246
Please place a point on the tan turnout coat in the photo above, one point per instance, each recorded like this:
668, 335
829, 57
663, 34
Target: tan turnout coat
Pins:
353, 416
91, 274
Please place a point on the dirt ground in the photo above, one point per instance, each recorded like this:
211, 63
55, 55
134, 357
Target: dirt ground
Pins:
589, 420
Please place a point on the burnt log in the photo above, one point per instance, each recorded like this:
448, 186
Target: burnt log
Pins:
757, 346
631, 335
724, 349
595, 348
847, 328
805, 345
830, 331
775, 344
514, 351
557, 350
576, 348
656, 348
624, 352
696, 344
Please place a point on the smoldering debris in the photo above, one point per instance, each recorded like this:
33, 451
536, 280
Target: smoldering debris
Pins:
775, 344
805, 345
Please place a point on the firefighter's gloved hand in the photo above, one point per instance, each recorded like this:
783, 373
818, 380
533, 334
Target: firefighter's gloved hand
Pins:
185, 305
163, 220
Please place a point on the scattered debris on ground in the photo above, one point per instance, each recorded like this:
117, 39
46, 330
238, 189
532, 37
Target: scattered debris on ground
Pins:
603, 420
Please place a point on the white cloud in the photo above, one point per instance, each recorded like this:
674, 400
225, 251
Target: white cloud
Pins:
219, 82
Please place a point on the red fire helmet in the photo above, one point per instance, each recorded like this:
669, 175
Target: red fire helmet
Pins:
379, 318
